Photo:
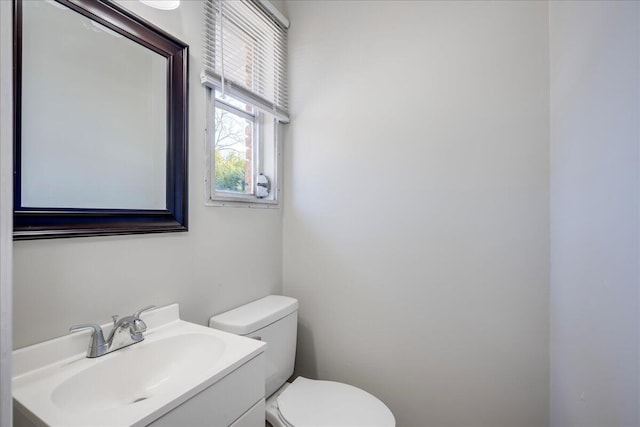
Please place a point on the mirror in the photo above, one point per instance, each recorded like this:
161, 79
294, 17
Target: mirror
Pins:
101, 122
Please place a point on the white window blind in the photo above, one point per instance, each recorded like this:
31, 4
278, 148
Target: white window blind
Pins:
246, 54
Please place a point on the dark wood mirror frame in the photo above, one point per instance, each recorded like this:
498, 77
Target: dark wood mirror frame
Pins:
42, 223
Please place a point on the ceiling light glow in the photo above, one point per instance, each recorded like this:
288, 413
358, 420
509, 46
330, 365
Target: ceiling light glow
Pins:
162, 4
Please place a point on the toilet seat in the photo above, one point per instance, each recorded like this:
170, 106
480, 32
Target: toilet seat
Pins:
318, 403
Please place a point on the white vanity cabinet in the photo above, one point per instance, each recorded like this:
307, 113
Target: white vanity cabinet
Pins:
181, 375
236, 400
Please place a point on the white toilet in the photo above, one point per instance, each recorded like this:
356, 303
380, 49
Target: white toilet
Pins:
304, 402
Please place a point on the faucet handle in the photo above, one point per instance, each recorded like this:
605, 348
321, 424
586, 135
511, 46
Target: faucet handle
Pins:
96, 328
98, 345
139, 312
138, 324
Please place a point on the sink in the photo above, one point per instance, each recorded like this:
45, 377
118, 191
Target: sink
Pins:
55, 384
139, 372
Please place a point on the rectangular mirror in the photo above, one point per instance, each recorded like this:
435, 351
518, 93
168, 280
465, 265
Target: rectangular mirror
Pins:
101, 122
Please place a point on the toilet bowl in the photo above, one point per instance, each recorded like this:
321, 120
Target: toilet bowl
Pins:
306, 402
303, 402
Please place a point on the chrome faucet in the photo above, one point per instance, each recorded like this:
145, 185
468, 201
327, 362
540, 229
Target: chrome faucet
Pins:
126, 331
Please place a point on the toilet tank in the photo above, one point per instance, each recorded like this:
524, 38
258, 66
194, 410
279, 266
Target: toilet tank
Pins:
273, 319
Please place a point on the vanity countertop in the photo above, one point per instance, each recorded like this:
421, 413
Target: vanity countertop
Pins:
55, 384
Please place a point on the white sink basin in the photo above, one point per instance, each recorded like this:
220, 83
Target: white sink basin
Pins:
55, 384
139, 372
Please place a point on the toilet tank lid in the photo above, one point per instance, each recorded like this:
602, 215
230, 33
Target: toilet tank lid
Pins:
255, 315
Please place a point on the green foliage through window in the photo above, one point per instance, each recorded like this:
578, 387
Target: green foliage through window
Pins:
230, 172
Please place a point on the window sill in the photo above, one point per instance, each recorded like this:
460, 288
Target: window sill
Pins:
238, 202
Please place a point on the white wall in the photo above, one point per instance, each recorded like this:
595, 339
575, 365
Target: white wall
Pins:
416, 230
595, 186
6, 211
228, 257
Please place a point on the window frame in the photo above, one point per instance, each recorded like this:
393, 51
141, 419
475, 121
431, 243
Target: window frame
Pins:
254, 118
231, 199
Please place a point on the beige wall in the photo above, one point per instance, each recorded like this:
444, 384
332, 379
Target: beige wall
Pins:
595, 186
416, 220
228, 257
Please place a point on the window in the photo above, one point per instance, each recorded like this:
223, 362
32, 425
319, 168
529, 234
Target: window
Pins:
243, 152
234, 133
245, 77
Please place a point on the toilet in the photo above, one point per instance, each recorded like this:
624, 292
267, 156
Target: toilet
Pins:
303, 402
